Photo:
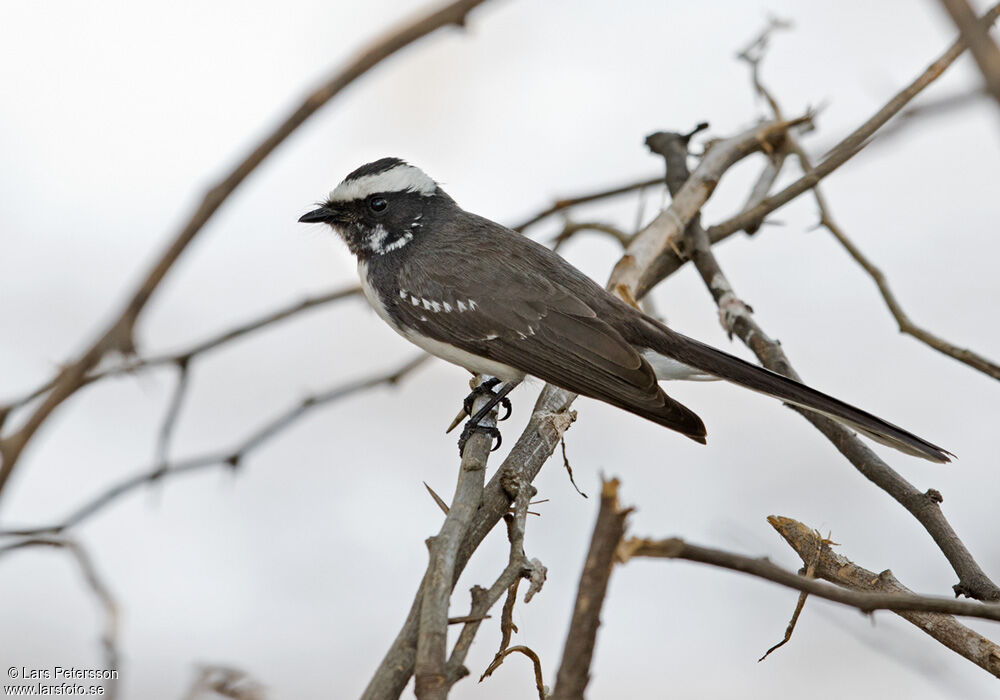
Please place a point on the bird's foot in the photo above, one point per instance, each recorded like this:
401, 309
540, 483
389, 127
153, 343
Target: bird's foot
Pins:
486, 389
470, 428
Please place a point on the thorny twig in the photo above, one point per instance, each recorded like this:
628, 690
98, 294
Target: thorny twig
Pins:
230, 458
119, 335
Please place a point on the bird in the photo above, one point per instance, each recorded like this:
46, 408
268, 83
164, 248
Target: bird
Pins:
482, 296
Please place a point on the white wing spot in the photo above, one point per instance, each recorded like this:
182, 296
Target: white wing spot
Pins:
447, 307
402, 294
427, 304
491, 336
436, 305
472, 305
414, 300
461, 307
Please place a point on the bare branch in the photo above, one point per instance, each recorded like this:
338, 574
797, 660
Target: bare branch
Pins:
119, 335
676, 548
736, 317
535, 662
642, 265
109, 636
518, 566
230, 458
792, 145
574, 669
430, 671
561, 204
197, 349
838, 569
976, 36
850, 146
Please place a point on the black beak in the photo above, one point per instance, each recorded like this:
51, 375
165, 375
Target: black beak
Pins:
323, 215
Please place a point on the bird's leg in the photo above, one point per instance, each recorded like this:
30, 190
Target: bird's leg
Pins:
500, 397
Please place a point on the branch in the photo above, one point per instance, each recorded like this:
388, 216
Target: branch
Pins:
850, 146
655, 246
518, 566
230, 458
196, 349
119, 335
976, 36
737, 318
676, 548
432, 681
840, 570
574, 669
109, 637
792, 145
561, 204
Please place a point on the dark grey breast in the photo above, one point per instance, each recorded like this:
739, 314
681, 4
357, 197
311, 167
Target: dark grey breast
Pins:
487, 290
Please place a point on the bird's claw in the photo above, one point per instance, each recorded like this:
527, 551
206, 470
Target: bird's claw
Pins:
471, 428
486, 389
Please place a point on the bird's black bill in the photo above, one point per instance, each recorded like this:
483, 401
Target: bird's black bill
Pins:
323, 215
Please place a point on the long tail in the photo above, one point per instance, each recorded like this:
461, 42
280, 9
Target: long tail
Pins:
725, 366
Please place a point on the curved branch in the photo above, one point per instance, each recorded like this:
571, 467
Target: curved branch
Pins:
119, 335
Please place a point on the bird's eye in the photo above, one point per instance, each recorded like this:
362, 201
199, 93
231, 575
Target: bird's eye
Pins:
378, 204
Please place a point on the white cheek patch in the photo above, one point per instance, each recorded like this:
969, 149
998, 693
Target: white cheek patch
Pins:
376, 242
401, 178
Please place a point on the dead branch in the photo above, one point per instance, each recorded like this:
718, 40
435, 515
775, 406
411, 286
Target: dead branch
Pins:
518, 567
119, 336
561, 204
535, 662
430, 669
230, 458
574, 669
642, 265
838, 569
737, 318
848, 147
189, 353
109, 636
676, 548
792, 145
976, 36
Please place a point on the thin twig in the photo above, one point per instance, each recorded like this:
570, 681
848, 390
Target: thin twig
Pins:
849, 146
535, 662
119, 335
561, 204
230, 458
109, 636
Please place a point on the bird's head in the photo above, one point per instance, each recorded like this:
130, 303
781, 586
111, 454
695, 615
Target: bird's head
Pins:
379, 208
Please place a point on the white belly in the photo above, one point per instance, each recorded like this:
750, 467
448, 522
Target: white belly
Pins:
450, 353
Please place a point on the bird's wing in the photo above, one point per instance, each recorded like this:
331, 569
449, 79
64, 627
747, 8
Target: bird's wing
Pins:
514, 314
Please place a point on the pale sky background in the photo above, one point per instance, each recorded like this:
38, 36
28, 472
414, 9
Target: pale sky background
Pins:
116, 116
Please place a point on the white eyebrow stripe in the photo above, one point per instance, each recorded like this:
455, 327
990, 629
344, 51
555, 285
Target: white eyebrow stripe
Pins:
401, 178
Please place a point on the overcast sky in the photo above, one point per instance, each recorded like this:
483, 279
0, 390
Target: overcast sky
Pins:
116, 117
